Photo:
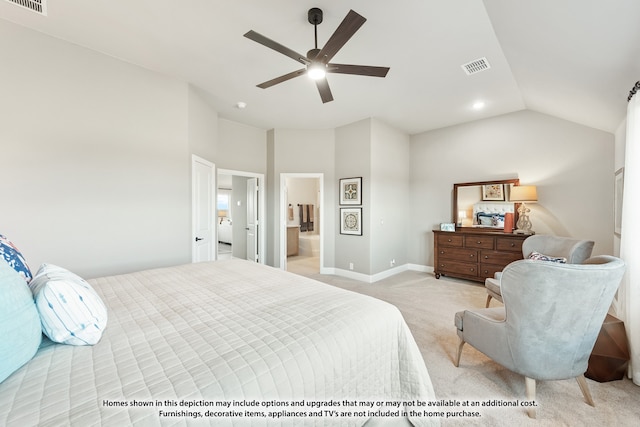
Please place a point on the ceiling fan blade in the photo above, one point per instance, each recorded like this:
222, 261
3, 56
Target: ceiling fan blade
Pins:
361, 70
259, 38
283, 78
347, 28
325, 92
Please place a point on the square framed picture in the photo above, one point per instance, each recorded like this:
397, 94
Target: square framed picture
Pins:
493, 192
447, 226
351, 221
351, 191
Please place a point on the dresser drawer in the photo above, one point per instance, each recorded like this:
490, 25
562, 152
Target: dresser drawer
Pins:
457, 254
489, 270
500, 258
446, 239
508, 244
458, 268
479, 241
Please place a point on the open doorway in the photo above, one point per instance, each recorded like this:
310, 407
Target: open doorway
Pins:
302, 223
240, 215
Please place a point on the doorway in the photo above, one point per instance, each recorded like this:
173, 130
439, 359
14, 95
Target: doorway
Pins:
302, 223
240, 215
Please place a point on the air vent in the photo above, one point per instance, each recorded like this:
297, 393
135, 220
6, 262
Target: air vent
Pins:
38, 6
476, 66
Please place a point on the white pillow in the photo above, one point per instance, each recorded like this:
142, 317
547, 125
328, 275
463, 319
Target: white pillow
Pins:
71, 312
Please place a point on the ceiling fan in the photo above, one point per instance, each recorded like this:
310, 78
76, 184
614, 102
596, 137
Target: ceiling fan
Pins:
316, 61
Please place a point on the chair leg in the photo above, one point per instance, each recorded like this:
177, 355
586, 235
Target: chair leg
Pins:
488, 301
459, 353
582, 382
530, 392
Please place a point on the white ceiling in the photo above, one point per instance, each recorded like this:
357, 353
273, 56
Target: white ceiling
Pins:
574, 59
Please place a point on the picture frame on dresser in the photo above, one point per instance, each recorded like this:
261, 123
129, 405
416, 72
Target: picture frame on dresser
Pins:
351, 191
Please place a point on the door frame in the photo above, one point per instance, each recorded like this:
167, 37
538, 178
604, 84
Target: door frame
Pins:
283, 214
262, 235
213, 249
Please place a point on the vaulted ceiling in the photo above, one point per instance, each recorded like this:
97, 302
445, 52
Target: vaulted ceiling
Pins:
574, 59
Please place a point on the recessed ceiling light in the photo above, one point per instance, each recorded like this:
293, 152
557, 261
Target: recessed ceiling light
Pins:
478, 105
241, 105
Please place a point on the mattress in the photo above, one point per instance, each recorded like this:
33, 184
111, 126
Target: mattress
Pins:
183, 342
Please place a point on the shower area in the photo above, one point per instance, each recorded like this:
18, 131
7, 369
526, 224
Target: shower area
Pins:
303, 224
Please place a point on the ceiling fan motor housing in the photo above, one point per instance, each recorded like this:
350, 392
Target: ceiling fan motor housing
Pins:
315, 16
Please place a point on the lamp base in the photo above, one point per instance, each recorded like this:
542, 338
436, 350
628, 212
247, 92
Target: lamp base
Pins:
529, 232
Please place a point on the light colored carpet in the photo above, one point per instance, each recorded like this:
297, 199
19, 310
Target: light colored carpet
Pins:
429, 305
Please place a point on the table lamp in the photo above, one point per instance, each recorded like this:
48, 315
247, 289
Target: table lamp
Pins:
522, 194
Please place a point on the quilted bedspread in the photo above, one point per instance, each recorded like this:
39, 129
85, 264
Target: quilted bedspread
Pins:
224, 343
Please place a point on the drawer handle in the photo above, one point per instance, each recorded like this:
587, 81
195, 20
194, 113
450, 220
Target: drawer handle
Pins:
441, 252
486, 257
513, 245
471, 255
479, 242
448, 240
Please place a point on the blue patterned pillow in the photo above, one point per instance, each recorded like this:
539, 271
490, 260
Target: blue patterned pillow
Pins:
541, 257
71, 312
14, 258
20, 330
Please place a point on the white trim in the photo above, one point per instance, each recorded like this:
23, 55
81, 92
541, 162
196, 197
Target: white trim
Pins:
262, 223
379, 276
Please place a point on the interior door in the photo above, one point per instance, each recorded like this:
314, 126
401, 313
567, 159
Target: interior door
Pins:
252, 219
202, 195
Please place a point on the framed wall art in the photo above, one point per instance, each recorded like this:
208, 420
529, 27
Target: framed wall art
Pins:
351, 191
351, 221
493, 192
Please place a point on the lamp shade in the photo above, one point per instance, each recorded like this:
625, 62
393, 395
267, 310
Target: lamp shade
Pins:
524, 193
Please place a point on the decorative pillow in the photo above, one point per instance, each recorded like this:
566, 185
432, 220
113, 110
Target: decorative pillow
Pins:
20, 331
14, 258
541, 257
490, 220
71, 312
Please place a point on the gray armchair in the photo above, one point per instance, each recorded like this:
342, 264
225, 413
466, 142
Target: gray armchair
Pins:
551, 318
574, 250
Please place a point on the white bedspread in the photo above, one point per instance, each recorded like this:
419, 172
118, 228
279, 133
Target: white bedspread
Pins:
216, 332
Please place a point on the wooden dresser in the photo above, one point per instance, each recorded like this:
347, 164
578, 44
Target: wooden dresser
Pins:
474, 255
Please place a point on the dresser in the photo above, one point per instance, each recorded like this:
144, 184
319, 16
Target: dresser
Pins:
474, 255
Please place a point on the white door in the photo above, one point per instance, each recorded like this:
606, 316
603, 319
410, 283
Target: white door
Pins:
252, 219
202, 199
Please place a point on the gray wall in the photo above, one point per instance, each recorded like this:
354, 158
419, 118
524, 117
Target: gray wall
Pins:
95, 156
571, 164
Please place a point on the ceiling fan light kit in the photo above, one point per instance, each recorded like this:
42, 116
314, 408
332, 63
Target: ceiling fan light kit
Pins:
316, 61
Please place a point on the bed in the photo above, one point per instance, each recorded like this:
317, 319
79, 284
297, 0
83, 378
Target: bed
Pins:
185, 341
491, 214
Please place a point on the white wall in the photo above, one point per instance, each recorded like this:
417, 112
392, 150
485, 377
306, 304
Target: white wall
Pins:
241, 147
300, 151
353, 159
389, 220
95, 157
571, 164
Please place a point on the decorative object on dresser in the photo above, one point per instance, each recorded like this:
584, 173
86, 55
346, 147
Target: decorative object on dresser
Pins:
531, 338
571, 251
524, 193
474, 255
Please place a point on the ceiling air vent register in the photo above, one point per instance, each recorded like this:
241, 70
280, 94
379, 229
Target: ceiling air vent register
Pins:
476, 66
38, 6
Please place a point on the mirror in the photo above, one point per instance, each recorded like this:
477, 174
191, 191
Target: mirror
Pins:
471, 199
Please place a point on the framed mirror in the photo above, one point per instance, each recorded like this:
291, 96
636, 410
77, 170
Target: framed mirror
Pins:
479, 205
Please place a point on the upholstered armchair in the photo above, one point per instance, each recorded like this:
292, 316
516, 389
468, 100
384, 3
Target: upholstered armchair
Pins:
574, 251
550, 320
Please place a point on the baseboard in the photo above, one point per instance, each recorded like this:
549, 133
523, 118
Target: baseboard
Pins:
368, 278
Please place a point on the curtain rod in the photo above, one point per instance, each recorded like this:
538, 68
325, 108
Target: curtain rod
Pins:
633, 91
